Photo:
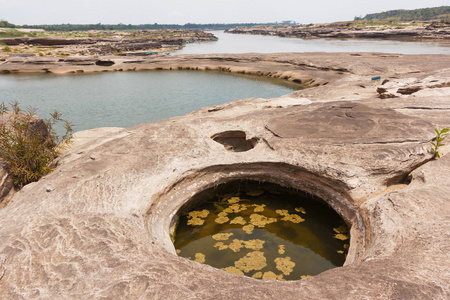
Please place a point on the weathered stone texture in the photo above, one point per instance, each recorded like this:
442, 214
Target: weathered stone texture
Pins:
98, 227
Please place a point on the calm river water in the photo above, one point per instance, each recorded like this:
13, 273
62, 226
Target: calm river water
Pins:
242, 43
126, 99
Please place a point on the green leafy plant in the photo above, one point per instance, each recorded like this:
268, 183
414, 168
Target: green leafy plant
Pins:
29, 145
440, 136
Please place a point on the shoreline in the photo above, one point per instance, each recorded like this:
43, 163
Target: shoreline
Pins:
309, 69
346, 31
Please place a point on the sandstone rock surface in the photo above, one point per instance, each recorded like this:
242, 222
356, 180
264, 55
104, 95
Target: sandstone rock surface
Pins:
98, 227
106, 42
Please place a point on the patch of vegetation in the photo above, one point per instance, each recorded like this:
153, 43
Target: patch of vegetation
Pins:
402, 15
29, 147
440, 136
11, 33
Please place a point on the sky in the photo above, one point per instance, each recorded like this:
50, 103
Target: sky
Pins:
32, 12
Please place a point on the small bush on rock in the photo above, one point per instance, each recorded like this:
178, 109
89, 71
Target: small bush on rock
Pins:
28, 145
440, 136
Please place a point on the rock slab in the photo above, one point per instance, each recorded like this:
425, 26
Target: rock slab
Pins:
98, 227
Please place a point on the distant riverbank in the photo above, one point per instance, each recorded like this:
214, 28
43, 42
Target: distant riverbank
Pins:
439, 31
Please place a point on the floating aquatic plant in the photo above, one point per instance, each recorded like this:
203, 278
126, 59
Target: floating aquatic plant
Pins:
248, 228
244, 233
238, 220
260, 220
285, 265
222, 236
253, 261
200, 257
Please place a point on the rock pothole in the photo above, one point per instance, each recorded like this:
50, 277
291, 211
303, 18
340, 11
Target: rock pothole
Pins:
261, 230
104, 63
288, 177
235, 140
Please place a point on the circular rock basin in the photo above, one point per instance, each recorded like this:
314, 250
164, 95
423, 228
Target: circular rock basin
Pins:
261, 230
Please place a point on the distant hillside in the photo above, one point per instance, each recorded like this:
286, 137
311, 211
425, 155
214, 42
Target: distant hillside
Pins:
423, 14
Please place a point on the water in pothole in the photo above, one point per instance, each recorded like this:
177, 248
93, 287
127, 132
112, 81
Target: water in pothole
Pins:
263, 231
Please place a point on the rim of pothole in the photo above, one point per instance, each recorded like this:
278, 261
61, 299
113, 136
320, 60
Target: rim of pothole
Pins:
178, 195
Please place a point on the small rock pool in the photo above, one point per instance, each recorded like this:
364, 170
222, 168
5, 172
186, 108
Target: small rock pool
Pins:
261, 230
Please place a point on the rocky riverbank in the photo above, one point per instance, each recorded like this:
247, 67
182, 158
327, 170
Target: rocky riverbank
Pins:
429, 32
53, 44
99, 225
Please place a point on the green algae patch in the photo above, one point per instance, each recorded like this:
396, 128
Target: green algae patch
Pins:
238, 220
341, 236
222, 236
300, 210
259, 208
222, 219
294, 218
233, 270
254, 244
341, 229
200, 257
252, 261
261, 220
262, 231
235, 208
271, 276
234, 200
197, 217
285, 265
236, 245
196, 222
248, 228
220, 246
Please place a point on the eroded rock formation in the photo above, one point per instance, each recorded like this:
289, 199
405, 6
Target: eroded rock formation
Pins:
98, 227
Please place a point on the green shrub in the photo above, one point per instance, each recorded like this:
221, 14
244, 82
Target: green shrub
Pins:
28, 145
440, 136
6, 49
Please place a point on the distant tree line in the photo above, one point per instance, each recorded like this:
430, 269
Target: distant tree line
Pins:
401, 15
6, 24
121, 26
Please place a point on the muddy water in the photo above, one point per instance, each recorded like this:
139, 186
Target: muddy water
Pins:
263, 231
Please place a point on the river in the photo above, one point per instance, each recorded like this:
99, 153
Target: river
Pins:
124, 99
243, 43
